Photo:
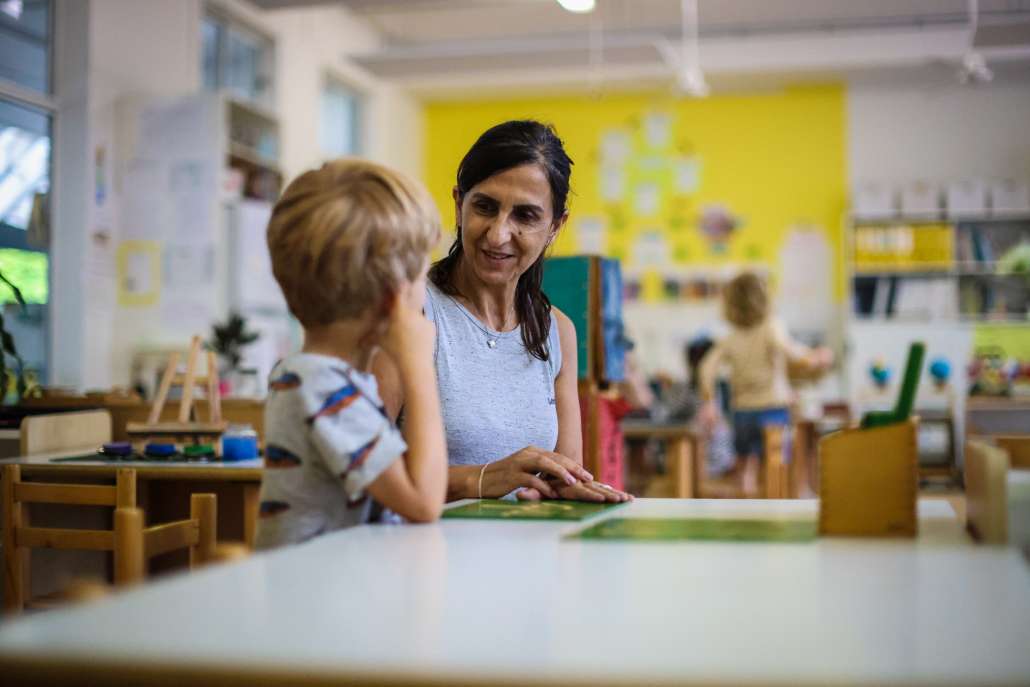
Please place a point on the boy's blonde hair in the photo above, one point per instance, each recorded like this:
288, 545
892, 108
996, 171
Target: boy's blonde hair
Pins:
745, 300
342, 239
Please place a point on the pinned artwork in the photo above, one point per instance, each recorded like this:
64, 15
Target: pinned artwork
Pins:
717, 224
591, 234
139, 273
687, 174
657, 129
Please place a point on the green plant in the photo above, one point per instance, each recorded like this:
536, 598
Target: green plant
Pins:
230, 338
27, 383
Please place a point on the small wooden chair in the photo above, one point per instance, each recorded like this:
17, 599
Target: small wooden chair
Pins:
1018, 448
87, 429
131, 542
986, 492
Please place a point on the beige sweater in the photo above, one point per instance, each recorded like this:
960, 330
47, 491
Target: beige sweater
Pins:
756, 360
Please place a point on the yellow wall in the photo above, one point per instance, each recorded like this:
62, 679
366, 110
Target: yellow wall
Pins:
774, 159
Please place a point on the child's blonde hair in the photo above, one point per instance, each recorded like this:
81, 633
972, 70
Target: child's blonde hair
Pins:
343, 237
745, 300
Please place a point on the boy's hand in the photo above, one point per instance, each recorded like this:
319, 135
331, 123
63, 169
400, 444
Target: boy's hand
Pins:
409, 336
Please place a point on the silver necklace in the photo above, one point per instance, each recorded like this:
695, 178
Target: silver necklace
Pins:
491, 337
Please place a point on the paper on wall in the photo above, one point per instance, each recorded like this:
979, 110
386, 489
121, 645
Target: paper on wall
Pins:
687, 174
651, 249
645, 199
188, 267
590, 232
139, 273
615, 147
613, 183
657, 127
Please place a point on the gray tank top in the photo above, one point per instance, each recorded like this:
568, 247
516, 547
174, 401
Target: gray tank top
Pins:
495, 396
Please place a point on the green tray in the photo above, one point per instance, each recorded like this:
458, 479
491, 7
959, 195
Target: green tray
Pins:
497, 509
650, 529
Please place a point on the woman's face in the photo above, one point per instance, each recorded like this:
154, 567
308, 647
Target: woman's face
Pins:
506, 223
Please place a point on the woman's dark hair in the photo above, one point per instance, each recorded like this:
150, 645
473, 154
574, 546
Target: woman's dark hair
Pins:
501, 148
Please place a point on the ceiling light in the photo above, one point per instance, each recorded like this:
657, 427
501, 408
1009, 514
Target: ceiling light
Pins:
580, 6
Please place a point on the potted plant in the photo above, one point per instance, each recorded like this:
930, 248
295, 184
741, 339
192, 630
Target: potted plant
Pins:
228, 341
26, 382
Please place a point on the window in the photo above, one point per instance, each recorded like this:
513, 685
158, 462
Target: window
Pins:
236, 59
25, 43
26, 118
340, 128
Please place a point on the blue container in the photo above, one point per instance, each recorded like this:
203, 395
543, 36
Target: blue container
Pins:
239, 443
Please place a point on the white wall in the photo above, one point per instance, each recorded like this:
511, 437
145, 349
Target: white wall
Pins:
110, 52
907, 132
314, 42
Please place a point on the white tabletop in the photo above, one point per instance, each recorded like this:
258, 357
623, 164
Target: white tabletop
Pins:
512, 602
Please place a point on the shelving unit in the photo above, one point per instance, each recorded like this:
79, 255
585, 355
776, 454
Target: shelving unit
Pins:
952, 269
935, 280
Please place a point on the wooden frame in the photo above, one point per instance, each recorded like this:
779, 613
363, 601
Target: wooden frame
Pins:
131, 543
59, 431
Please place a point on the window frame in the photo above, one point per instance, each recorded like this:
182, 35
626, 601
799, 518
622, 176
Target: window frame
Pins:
231, 21
361, 99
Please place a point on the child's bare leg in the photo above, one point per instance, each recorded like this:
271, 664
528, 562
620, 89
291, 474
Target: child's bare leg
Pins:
749, 476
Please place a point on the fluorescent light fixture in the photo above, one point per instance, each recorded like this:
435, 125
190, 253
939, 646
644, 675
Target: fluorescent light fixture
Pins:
579, 6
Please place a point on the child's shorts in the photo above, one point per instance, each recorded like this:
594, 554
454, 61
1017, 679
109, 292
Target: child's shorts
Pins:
749, 426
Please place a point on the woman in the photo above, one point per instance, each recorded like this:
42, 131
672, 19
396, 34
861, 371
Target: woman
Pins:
505, 359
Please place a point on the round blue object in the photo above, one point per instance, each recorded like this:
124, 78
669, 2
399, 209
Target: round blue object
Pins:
159, 450
239, 443
940, 370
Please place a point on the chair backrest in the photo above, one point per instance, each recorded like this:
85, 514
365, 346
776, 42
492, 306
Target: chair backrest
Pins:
986, 492
131, 543
910, 382
1018, 448
86, 429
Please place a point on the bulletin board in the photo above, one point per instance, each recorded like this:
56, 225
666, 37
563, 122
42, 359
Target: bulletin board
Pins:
667, 185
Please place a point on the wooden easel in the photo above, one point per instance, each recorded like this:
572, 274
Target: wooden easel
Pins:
185, 426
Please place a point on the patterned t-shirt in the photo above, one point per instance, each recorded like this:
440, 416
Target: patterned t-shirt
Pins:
327, 437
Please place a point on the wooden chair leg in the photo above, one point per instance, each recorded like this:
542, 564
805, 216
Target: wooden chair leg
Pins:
15, 563
129, 557
775, 469
679, 458
125, 485
204, 509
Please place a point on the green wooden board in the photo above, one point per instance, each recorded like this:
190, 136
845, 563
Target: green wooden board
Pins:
567, 285
653, 529
496, 509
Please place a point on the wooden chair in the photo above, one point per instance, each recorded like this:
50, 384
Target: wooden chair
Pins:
1018, 448
986, 492
86, 429
131, 542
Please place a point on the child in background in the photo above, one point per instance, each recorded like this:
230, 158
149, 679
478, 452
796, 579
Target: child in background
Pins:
349, 245
756, 352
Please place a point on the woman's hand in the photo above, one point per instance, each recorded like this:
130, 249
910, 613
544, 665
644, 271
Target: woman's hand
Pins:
583, 491
532, 468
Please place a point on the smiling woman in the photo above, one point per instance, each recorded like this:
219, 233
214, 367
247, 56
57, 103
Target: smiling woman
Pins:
505, 359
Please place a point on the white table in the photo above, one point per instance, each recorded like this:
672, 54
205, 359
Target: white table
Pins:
493, 602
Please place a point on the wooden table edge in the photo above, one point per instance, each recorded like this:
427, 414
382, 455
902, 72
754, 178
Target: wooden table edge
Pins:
168, 472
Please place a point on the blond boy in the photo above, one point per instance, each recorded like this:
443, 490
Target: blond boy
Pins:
349, 245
